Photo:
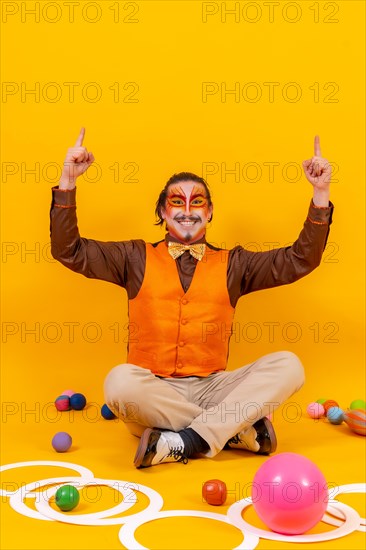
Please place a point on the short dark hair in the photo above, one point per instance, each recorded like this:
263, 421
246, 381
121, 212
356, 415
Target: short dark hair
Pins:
182, 176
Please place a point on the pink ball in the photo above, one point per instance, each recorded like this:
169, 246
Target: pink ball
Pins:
315, 410
68, 392
290, 493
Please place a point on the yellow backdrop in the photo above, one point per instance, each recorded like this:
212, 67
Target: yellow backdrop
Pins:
233, 91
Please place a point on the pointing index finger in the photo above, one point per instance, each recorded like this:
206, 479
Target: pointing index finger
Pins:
80, 139
317, 151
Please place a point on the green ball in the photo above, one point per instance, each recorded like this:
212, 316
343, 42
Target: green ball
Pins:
321, 401
67, 497
358, 404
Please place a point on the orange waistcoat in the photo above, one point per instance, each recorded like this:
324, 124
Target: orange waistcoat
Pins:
175, 333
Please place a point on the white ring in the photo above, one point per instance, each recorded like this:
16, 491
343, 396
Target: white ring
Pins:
332, 513
44, 508
351, 523
349, 488
17, 499
97, 518
127, 531
341, 515
84, 472
336, 517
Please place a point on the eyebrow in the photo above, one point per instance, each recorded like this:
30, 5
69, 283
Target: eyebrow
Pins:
180, 193
176, 192
183, 197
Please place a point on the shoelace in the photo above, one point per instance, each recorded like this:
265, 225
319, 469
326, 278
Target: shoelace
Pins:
236, 439
177, 454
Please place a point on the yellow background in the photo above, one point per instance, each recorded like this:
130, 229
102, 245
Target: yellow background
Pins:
159, 55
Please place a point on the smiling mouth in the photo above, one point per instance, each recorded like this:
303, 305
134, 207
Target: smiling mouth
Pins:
186, 223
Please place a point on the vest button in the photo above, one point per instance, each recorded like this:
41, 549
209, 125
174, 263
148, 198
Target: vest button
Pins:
184, 301
181, 343
179, 365
184, 321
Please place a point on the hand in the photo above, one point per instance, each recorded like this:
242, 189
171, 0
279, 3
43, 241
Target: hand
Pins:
76, 162
318, 169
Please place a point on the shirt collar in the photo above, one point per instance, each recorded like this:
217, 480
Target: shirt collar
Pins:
170, 238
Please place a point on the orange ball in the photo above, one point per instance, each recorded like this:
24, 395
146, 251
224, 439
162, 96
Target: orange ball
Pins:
214, 492
328, 404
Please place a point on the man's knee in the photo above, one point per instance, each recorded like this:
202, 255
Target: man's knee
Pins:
294, 367
121, 390
116, 378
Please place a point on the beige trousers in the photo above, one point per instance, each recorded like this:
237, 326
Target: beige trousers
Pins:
217, 407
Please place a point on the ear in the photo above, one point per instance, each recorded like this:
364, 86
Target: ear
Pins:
162, 213
210, 212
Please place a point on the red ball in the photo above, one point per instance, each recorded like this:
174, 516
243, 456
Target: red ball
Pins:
328, 404
62, 403
214, 492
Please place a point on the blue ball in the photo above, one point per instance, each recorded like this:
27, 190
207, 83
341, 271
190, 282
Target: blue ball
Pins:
77, 401
107, 413
335, 415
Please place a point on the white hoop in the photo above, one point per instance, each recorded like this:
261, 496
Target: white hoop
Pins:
345, 518
349, 488
351, 523
84, 472
17, 499
101, 518
127, 531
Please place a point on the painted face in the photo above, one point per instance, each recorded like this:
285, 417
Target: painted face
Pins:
186, 211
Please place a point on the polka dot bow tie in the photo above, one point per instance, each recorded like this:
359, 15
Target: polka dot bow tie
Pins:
177, 249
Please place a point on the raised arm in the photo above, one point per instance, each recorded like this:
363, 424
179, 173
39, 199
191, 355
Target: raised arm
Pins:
108, 261
260, 270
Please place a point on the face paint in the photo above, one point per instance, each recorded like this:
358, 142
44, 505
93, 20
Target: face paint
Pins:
186, 211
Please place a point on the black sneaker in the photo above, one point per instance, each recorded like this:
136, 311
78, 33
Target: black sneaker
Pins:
157, 446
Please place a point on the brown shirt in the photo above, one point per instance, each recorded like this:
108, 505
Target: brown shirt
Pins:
123, 262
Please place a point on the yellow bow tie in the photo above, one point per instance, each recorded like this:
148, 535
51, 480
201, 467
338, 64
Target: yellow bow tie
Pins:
177, 249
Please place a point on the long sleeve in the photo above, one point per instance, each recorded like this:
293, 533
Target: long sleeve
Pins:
251, 271
108, 261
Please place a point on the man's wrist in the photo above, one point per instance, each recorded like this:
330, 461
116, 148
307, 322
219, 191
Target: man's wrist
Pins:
66, 184
321, 198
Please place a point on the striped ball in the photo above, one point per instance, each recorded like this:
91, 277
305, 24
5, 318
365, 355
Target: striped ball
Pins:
356, 420
329, 403
335, 415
